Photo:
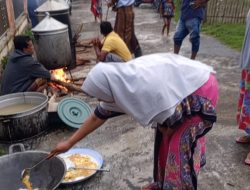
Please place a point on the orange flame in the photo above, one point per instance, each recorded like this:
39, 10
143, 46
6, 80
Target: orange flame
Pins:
59, 74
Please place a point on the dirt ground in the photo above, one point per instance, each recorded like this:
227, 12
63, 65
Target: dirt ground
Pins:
127, 148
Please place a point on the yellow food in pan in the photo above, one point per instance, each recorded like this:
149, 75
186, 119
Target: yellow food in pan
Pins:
80, 161
26, 181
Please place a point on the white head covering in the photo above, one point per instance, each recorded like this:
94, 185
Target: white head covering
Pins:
147, 88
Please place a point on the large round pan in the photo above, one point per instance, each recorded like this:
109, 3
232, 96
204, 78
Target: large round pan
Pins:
47, 175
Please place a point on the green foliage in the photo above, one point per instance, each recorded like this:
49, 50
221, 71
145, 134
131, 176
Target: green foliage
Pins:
4, 62
2, 152
177, 14
29, 33
231, 35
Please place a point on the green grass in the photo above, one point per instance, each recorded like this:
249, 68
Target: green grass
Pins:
231, 35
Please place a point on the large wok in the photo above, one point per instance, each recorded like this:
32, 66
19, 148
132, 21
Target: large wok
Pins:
46, 176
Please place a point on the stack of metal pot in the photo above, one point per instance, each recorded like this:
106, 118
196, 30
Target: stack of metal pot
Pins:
59, 10
52, 43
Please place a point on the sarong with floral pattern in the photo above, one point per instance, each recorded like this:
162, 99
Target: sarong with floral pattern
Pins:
243, 114
178, 158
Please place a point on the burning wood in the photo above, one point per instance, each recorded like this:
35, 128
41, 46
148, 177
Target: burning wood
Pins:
81, 79
61, 85
81, 62
69, 86
55, 88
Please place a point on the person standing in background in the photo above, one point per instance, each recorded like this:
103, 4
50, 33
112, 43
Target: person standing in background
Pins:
124, 24
96, 9
192, 13
243, 114
167, 13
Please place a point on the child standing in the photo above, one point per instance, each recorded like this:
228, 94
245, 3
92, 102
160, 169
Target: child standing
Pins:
96, 9
167, 13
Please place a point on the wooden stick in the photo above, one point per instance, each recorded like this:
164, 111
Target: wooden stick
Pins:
106, 18
77, 79
77, 34
85, 45
69, 86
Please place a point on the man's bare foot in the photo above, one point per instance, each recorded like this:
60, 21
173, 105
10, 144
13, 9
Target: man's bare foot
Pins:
243, 139
247, 160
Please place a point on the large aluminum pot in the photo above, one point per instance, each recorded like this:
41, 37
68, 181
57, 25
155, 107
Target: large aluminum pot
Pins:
52, 43
26, 124
59, 10
46, 176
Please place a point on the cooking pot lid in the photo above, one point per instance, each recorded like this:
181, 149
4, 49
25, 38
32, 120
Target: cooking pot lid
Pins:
52, 6
63, 2
49, 24
73, 111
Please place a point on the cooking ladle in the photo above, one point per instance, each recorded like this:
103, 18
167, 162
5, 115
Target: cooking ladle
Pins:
26, 171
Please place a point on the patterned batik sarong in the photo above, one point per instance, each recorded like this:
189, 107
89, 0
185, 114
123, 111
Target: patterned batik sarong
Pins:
243, 114
178, 159
124, 26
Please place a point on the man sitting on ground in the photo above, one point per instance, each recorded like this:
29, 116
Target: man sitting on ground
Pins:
112, 48
22, 72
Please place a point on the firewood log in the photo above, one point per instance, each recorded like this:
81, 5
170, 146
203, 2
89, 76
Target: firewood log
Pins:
69, 86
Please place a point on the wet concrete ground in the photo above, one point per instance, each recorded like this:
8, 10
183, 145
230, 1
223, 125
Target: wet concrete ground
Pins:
127, 148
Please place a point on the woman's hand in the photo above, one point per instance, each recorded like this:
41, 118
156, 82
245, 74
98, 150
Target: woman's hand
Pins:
60, 148
91, 124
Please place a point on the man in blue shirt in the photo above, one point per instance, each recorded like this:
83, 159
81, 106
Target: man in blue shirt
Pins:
192, 13
22, 72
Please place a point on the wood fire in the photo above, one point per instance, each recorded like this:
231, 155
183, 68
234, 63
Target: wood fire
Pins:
59, 74
61, 84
